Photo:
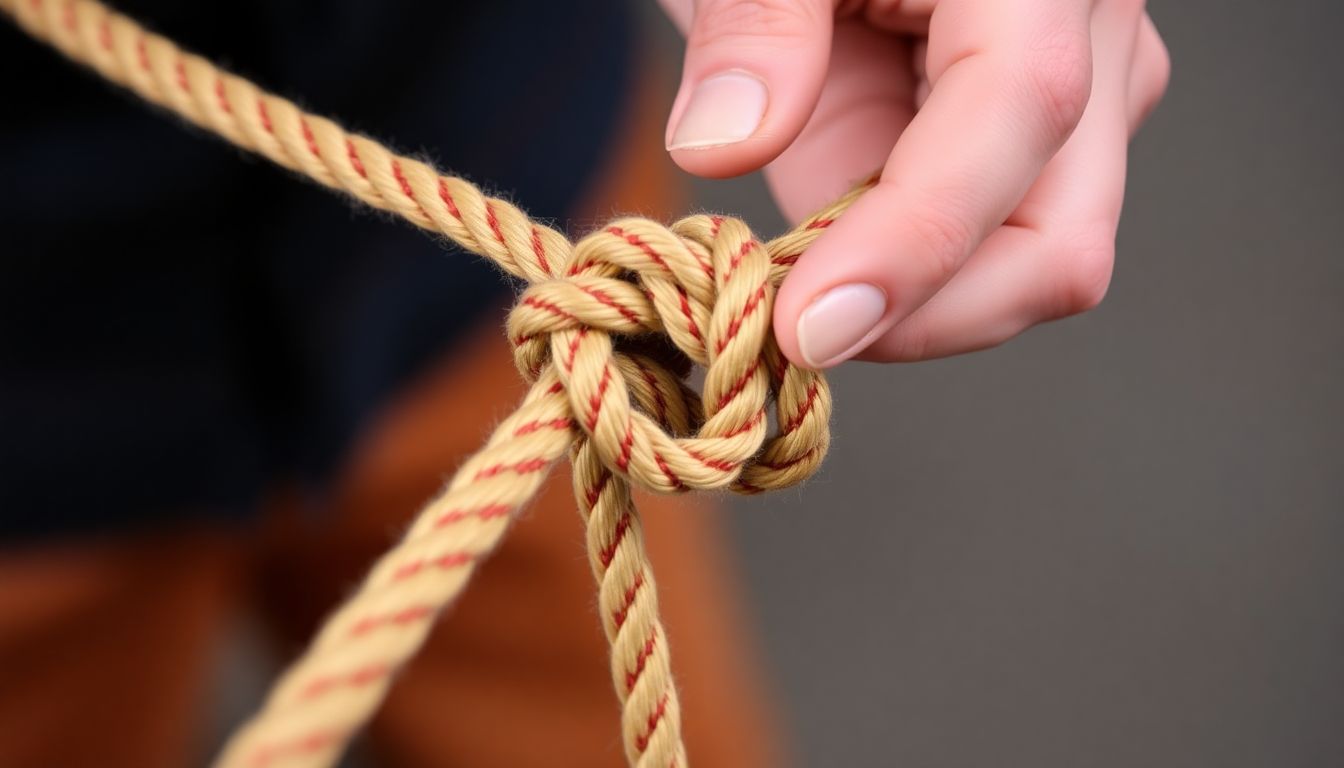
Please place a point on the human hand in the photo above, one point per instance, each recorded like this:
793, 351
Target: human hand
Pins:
1001, 130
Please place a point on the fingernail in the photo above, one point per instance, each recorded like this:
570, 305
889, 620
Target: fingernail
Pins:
838, 320
723, 109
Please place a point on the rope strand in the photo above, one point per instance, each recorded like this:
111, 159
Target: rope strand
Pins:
624, 416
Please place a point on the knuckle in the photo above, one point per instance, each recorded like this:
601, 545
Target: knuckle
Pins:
943, 239
909, 342
1161, 71
736, 21
1058, 74
1085, 269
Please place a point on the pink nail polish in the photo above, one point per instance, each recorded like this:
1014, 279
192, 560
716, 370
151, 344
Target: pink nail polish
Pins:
723, 109
838, 321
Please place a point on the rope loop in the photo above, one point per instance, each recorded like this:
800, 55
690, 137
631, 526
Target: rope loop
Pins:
699, 292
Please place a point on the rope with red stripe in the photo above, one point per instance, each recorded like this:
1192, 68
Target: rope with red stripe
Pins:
604, 390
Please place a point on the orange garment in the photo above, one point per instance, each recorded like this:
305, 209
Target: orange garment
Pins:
107, 646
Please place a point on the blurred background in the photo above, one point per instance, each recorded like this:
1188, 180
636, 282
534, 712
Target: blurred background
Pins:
1116, 540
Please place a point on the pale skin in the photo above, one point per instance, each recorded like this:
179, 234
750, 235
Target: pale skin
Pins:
1000, 127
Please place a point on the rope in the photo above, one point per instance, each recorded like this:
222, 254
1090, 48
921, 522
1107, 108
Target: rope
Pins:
605, 389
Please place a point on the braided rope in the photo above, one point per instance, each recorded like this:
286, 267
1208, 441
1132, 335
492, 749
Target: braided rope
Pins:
602, 390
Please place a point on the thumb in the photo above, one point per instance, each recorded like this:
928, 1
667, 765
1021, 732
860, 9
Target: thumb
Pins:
753, 72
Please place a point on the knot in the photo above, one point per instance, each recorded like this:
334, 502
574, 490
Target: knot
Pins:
609, 330
636, 307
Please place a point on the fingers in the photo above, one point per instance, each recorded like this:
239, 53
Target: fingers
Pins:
1054, 257
1009, 84
1017, 279
752, 75
910, 17
920, 55
1152, 72
865, 104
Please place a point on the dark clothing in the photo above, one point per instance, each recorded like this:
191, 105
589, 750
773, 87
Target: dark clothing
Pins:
182, 326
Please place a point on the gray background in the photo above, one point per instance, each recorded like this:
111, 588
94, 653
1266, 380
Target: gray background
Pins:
1118, 540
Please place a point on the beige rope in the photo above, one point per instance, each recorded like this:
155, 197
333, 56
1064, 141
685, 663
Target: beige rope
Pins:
600, 391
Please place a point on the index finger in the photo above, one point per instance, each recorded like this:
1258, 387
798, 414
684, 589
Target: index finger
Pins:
1009, 83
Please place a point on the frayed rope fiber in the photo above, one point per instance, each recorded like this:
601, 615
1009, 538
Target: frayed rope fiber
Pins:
604, 390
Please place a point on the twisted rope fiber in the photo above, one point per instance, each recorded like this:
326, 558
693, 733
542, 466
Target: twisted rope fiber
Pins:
603, 391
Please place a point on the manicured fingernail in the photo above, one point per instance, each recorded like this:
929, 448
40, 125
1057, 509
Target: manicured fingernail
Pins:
723, 109
838, 320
